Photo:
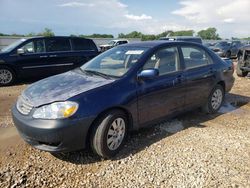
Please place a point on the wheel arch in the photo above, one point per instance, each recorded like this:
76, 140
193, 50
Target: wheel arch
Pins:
222, 83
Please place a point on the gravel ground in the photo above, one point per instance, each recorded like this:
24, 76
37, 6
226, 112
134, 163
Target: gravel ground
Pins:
192, 150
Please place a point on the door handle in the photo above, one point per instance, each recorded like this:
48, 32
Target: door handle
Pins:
43, 56
53, 56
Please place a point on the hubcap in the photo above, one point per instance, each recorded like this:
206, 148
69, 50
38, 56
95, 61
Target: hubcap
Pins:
217, 99
5, 76
116, 133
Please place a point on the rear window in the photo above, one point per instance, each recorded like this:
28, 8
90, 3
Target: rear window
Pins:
83, 44
58, 45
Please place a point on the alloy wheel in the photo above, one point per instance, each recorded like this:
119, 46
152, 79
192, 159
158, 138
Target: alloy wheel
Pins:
5, 76
116, 133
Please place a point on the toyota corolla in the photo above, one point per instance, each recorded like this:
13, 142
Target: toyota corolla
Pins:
122, 89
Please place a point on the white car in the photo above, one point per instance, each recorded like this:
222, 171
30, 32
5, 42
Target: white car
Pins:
112, 44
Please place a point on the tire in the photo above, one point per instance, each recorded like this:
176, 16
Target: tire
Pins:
109, 133
215, 100
228, 54
7, 76
239, 72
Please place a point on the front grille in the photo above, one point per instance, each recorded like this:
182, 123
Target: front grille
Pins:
23, 105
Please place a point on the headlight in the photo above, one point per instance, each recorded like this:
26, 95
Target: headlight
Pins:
57, 110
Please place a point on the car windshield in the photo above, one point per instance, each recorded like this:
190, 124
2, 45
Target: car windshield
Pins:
111, 43
115, 62
13, 45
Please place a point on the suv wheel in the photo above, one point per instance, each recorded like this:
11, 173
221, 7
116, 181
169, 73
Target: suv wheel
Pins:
239, 72
109, 134
7, 76
215, 100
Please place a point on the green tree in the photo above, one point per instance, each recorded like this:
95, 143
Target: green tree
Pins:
209, 34
47, 33
183, 33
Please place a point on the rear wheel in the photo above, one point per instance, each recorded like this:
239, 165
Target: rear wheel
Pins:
240, 72
109, 134
215, 100
7, 76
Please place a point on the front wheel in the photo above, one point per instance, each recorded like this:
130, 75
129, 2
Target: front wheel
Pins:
7, 76
215, 100
109, 134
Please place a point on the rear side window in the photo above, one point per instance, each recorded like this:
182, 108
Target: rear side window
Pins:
121, 42
58, 45
195, 57
83, 44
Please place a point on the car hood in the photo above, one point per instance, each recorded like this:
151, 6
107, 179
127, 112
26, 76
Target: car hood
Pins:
62, 87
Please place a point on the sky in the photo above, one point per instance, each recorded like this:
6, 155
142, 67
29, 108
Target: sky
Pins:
64, 17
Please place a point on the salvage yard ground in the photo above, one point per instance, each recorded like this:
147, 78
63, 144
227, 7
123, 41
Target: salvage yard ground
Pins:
193, 149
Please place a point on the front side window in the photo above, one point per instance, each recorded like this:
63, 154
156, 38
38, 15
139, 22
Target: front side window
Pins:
115, 62
58, 45
165, 60
36, 46
195, 57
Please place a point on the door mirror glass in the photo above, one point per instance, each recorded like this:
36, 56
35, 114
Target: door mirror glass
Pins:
20, 51
148, 74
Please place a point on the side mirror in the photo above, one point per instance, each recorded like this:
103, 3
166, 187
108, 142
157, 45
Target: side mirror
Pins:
20, 51
148, 74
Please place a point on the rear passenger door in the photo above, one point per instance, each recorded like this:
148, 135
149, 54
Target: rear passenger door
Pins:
83, 50
199, 74
59, 55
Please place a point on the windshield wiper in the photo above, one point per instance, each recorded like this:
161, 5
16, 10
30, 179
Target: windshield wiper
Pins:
93, 72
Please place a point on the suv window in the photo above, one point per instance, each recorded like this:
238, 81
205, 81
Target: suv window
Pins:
195, 57
166, 60
57, 45
83, 44
121, 42
36, 46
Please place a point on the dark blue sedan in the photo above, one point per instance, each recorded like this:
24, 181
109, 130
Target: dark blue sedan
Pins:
125, 88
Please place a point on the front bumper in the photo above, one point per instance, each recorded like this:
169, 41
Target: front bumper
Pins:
52, 135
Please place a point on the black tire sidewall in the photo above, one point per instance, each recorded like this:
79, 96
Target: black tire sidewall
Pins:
13, 76
99, 136
210, 108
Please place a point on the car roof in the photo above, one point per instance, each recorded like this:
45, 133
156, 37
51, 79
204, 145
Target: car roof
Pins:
115, 40
155, 43
247, 47
44, 37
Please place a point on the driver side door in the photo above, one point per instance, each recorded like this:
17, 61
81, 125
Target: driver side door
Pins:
164, 95
32, 63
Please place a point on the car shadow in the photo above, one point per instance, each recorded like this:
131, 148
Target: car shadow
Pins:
139, 140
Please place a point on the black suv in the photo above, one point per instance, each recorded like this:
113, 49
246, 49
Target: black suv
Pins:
243, 66
43, 56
